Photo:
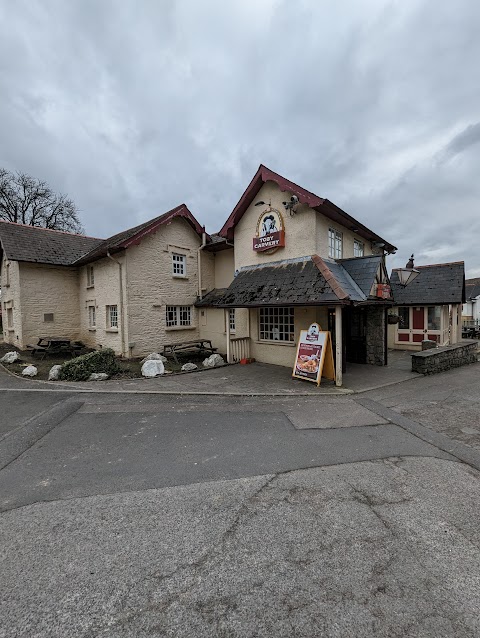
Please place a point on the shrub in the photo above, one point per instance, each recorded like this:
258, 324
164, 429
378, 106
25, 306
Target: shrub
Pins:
81, 368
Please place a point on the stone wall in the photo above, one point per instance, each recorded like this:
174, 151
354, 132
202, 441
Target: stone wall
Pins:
375, 336
445, 358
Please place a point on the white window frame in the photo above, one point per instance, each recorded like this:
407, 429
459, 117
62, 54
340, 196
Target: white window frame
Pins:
178, 316
90, 277
92, 317
112, 317
335, 243
9, 312
179, 265
358, 248
276, 324
231, 319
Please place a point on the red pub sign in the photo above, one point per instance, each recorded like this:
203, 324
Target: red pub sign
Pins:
270, 231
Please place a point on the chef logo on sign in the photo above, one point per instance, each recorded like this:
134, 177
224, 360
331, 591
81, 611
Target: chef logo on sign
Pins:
270, 232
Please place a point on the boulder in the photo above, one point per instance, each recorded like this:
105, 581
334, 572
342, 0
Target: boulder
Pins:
154, 356
213, 361
54, 372
29, 371
153, 368
188, 367
98, 376
10, 357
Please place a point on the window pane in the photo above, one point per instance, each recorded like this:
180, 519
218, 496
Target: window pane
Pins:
276, 324
434, 317
404, 314
179, 264
112, 316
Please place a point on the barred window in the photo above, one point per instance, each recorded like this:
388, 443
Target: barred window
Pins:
231, 319
357, 248
92, 321
178, 316
276, 324
112, 316
335, 241
179, 265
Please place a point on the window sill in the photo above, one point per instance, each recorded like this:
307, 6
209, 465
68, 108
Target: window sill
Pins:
90, 287
10, 329
92, 330
291, 344
111, 329
173, 328
179, 277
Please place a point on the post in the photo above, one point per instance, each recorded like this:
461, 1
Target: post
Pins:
454, 326
338, 345
227, 330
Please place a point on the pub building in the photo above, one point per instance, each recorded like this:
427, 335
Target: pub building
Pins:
284, 259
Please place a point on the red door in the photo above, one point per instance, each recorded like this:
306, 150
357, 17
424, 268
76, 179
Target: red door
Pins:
418, 324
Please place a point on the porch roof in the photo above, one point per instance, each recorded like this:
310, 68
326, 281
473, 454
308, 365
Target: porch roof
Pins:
305, 281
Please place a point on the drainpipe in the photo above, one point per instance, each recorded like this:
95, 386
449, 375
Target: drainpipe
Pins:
199, 262
122, 308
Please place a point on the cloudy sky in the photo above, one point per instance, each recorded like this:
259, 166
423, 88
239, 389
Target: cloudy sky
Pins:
134, 106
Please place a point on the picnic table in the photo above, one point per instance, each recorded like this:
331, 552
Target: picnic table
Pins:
200, 346
55, 346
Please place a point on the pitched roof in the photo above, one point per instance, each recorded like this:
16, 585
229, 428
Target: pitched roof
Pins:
438, 284
304, 281
363, 270
324, 206
134, 235
41, 245
44, 246
472, 288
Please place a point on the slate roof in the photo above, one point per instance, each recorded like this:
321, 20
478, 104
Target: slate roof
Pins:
134, 235
44, 246
472, 288
41, 245
438, 284
304, 281
320, 204
363, 270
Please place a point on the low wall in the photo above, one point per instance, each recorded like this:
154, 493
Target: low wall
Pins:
444, 358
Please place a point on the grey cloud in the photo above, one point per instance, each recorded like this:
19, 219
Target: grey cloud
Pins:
132, 108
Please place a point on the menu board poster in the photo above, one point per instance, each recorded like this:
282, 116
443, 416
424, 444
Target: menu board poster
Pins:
313, 345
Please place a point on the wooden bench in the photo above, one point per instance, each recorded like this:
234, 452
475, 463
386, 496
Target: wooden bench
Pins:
56, 346
198, 346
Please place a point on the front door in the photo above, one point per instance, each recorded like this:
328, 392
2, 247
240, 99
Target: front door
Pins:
422, 322
356, 329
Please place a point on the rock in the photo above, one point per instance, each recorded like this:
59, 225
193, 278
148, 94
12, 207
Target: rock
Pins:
153, 368
213, 361
188, 367
10, 357
54, 372
29, 371
154, 356
98, 376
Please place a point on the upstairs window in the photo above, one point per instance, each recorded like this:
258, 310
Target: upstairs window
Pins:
90, 276
179, 265
335, 241
357, 248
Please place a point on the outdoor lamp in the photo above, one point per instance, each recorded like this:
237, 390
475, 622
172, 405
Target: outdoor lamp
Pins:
407, 275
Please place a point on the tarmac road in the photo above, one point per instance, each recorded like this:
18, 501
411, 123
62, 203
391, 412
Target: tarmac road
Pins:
150, 516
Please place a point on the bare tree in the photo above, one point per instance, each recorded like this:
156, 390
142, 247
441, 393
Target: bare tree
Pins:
26, 200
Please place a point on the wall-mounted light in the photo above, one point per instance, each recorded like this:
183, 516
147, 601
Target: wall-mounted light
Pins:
408, 274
